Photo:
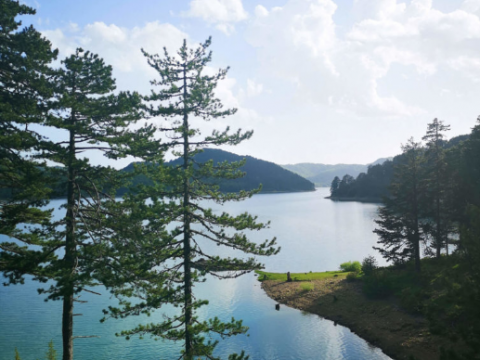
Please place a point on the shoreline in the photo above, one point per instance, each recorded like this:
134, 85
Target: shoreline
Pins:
371, 200
382, 323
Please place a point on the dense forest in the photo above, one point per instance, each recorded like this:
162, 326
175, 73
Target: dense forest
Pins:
428, 228
270, 176
373, 184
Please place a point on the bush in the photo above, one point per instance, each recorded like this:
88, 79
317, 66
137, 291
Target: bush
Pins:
353, 276
378, 286
306, 286
369, 265
351, 266
411, 299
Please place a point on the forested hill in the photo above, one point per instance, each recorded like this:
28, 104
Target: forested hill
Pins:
273, 177
323, 174
373, 184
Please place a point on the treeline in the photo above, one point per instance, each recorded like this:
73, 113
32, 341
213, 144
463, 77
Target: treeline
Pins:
271, 177
373, 185
129, 246
429, 226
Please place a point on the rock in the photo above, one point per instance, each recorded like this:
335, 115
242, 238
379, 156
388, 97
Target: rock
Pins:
277, 307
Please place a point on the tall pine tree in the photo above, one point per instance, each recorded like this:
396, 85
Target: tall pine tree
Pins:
400, 218
186, 96
94, 119
437, 184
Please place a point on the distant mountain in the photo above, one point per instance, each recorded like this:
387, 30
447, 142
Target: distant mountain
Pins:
323, 174
273, 177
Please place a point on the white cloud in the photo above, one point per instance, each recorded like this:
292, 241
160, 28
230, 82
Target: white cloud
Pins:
254, 88
261, 11
299, 42
120, 47
222, 13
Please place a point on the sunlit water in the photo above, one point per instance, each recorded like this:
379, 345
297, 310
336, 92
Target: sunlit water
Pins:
315, 235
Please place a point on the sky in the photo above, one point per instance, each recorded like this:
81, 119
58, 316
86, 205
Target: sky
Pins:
320, 81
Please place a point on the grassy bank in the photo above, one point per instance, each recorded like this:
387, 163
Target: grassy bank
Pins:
263, 275
390, 308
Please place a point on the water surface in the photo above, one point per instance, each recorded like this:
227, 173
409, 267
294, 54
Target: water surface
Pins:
315, 234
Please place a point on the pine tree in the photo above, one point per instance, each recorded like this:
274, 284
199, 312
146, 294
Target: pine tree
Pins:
400, 217
94, 119
186, 95
436, 184
24, 91
51, 353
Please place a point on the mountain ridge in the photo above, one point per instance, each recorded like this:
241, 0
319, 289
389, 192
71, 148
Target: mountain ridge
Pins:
323, 174
273, 177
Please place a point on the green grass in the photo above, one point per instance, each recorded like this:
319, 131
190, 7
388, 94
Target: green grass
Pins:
263, 275
306, 286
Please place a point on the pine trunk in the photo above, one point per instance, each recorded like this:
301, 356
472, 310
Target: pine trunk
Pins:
186, 234
70, 258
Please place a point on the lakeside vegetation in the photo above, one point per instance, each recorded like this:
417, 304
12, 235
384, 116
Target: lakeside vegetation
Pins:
440, 294
263, 275
119, 244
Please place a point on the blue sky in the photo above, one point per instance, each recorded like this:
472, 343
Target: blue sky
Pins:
318, 81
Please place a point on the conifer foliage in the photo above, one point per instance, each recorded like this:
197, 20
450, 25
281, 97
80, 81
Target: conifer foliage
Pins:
437, 185
93, 119
180, 260
24, 89
400, 218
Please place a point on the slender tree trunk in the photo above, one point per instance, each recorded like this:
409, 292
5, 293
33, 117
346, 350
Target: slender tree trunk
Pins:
416, 245
70, 255
437, 193
186, 229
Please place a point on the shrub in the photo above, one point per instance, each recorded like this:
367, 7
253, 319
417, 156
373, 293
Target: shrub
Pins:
378, 286
411, 299
306, 286
353, 276
369, 265
351, 266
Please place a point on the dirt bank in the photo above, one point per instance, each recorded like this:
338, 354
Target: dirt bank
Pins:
381, 322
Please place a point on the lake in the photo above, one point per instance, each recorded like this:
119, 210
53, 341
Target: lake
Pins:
315, 234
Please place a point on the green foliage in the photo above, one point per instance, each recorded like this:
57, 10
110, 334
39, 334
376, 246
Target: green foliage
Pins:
437, 187
306, 286
17, 355
353, 276
51, 352
351, 266
399, 227
262, 275
168, 262
378, 286
24, 95
369, 265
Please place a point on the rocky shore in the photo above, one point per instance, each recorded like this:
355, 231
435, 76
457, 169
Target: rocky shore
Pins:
400, 335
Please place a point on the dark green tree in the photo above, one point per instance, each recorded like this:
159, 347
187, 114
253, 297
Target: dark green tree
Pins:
71, 251
94, 120
24, 89
334, 186
186, 96
400, 217
437, 184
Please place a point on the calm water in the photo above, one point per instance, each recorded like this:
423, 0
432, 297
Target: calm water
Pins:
315, 235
